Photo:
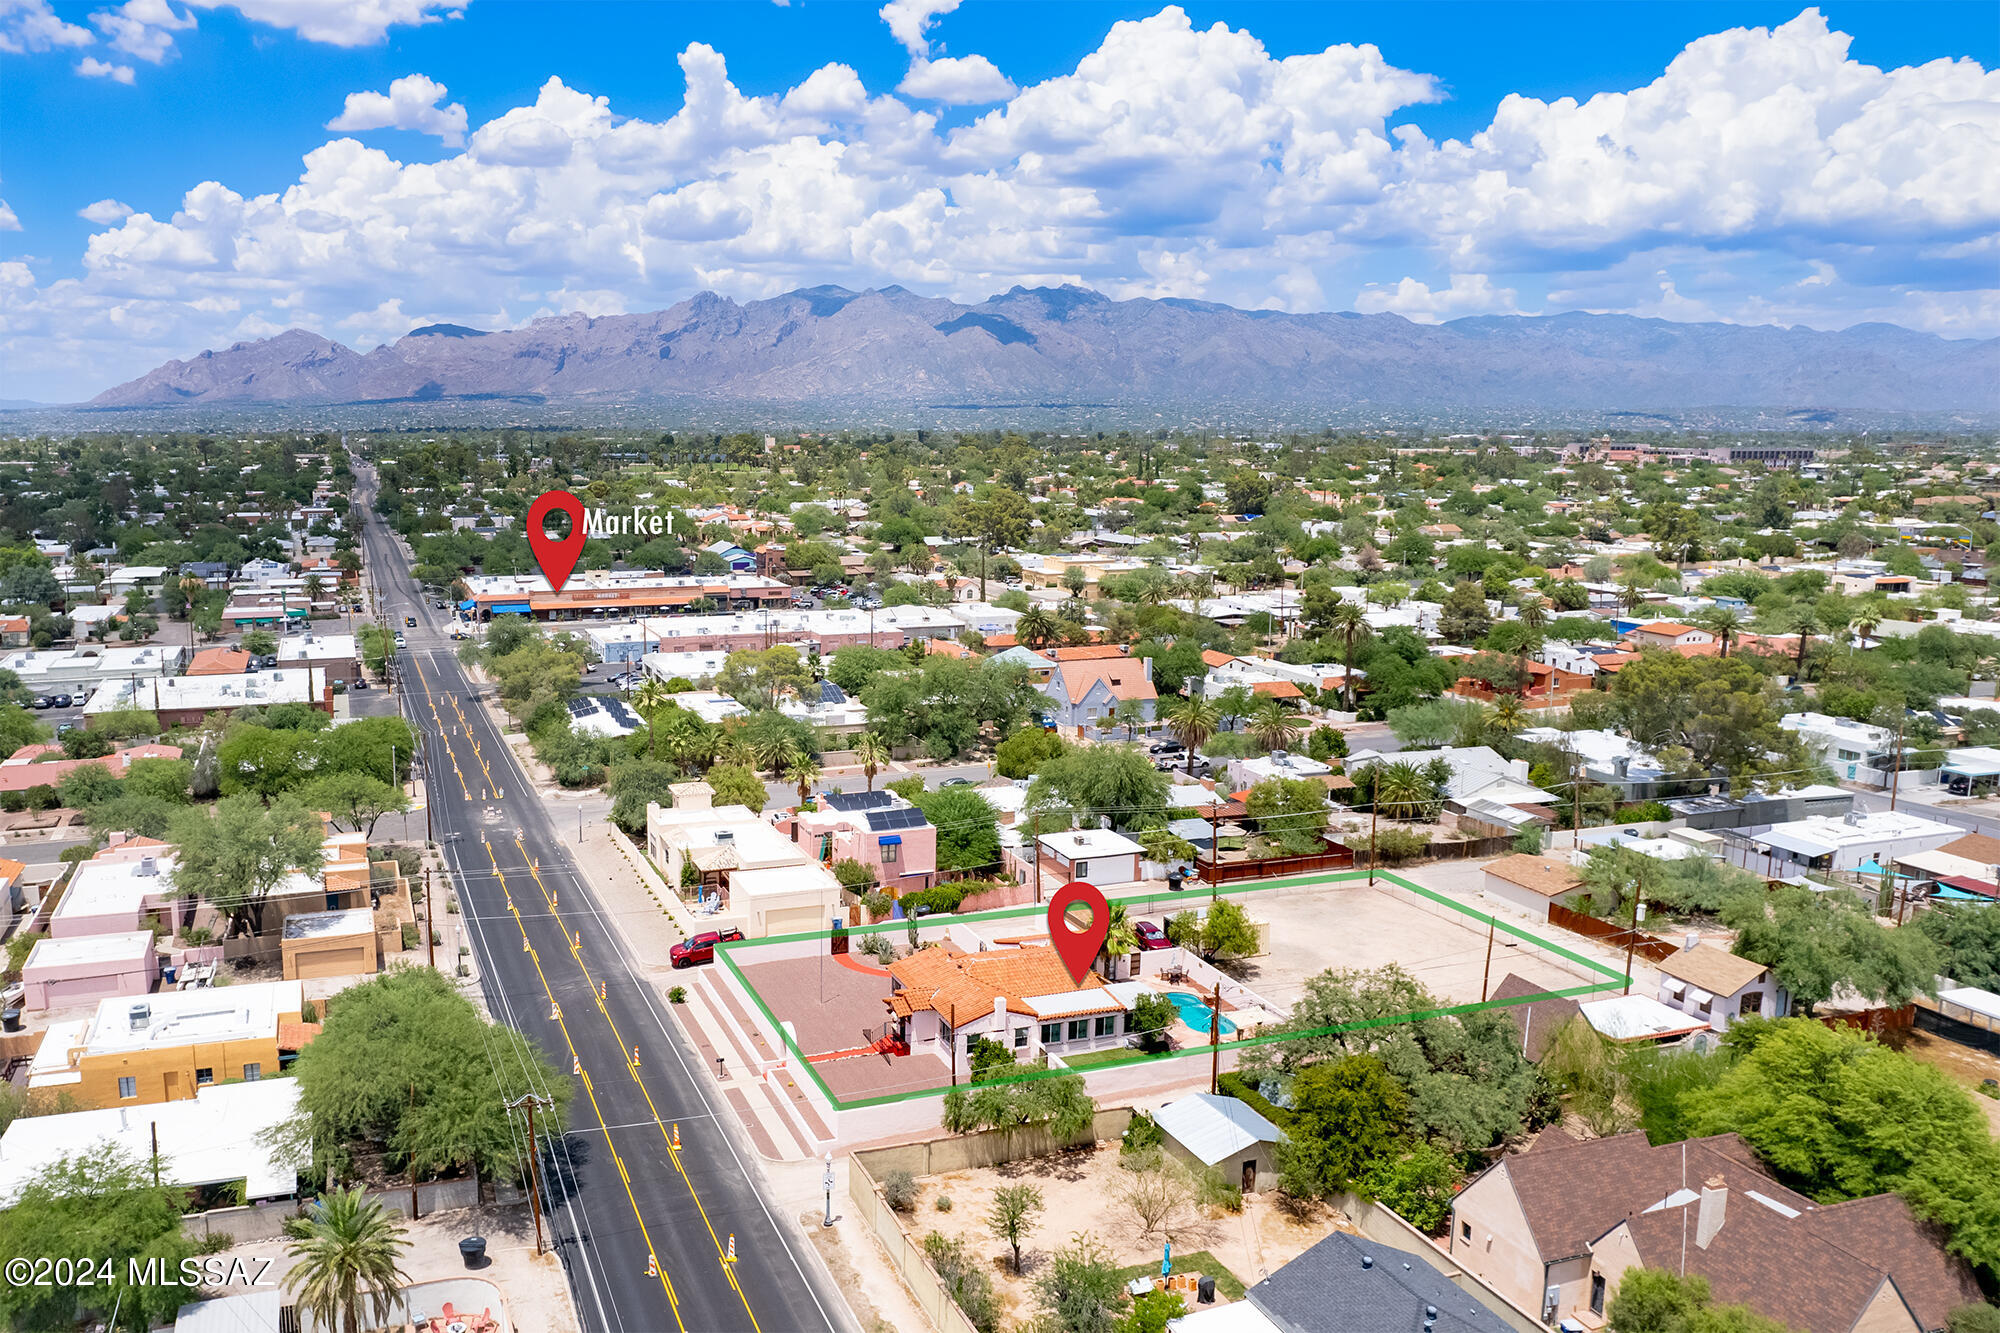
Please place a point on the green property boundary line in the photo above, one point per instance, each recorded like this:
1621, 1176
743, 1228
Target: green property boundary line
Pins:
1612, 976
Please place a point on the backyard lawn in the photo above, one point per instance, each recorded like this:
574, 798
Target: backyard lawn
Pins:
1201, 1261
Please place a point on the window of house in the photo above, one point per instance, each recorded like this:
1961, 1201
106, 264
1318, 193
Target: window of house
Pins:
892, 852
253, 1071
203, 1077
1465, 1231
128, 1087
1051, 1033
1083, 869
1131, 1022
1020, 1038
1752, 1003
1706, 1005
1597, 1293
1079, 1028
1107, 1025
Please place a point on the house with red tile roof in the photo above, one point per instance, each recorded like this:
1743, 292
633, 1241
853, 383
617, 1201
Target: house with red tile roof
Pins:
27, 768
1555, 1228
1024, 998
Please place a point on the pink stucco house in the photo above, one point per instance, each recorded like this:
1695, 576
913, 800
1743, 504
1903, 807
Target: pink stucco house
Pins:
879, 829
89, 968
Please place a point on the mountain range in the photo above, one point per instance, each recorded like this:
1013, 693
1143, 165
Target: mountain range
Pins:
830, 347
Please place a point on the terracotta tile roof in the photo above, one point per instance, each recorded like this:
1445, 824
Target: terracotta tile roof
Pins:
1125, 677
219, 662
1088, 652
11, 870
1277, 689
1210, 657
1716, 970
962, 986
294, 1036
1546, 875
1665, 627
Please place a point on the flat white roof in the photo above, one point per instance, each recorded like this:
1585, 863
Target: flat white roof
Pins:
775, 881
1982, 1002
176, 1018
1819, 834
1079, 843
105, 888
1091, 1000
213, 1137
123, 946
285, 685
1636, 1017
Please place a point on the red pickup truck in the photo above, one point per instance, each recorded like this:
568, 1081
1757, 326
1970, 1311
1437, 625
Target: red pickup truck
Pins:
698, 949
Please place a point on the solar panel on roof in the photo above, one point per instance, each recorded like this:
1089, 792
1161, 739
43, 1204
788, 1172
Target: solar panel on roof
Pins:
880, 821
858, 800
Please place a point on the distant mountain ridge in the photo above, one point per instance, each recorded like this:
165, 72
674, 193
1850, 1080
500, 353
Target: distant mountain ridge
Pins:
828, 346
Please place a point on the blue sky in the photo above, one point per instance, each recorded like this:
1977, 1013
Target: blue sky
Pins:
181, 175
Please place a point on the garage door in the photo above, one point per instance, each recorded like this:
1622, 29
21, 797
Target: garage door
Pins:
794, 920
333, 962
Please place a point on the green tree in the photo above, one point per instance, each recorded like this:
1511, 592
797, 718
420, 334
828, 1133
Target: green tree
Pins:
1464, 619
160, 779
872, 755
347, 1253
1274, 726
102, 1205
1347, 1114
736, 785
265, 762
408, 1067
1012, 1216
354, 799
1080, 1291
1658, 1300
1022, 754
18, 728
233, 856
1968, 942
1291, 810
1118, 781
1837, 1115
1059, 1104
1152, 1312
1817, 943
1418, 1185
968, 829
634, 786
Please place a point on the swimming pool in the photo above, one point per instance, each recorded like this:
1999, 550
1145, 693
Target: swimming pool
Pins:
1195, 1014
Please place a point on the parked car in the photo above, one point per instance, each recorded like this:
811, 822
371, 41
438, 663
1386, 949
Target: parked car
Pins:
1169, 747
1151, 936
360, 684
45, 701
699, 949
956, 782
63, 701
400, 643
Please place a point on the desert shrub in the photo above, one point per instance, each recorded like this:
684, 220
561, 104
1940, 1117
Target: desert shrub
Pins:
899, 1191
1215, 1191
965, 1279
1142, 1133
677, 995
1393, 846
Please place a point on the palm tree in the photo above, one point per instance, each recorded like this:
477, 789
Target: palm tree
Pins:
872, 755
649, 700
1350, 622
1508, 716
348, 1252
1805, 623
1401, 789
1036, 628
802, 773
1121, 937
1534, 613
1724, 623
732, 749
1157, 591
1631, 595
1193, 721
776, 751
1274, 728
1866, 622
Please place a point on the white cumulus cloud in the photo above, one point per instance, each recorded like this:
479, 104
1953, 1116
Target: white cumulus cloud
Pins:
143, 28
93, 68
1763, 175
8, 222
31, 25
105, 212
412, 103
960, 80
910, 20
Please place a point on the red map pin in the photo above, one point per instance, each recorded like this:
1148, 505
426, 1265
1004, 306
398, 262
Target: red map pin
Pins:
1078, 948
556, 556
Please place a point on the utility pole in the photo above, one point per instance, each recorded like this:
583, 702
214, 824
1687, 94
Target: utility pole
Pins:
1215, 1042
430, 933
531, 1101
1576, 804
1374, 813
1896, 772
1638, 915
1486, 977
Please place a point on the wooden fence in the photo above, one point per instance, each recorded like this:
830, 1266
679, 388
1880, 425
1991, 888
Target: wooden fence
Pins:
1650, 947
1267, 867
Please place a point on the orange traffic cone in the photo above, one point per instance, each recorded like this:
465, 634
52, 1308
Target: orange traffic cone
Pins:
555, 1012
600, 992
525, 946
677, 1136
652, 1265
730, 1258
635, 1055
575, 1064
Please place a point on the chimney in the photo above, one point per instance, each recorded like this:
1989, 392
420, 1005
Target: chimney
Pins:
1714, 1202
1000, 1019
1692, 939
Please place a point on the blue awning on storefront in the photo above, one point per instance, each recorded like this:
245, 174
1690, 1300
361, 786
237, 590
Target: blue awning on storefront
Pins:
889, 839
467, 605
510, 608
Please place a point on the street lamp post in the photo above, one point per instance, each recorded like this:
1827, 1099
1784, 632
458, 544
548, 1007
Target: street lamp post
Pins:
827, 1182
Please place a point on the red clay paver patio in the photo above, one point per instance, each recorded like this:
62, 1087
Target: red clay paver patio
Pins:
830, 1007
863, 1076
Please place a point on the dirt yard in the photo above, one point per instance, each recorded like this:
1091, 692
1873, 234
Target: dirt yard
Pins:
1962, 1063
1080, 1194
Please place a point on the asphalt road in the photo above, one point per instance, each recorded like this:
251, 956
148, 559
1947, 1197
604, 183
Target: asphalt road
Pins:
615, 1189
